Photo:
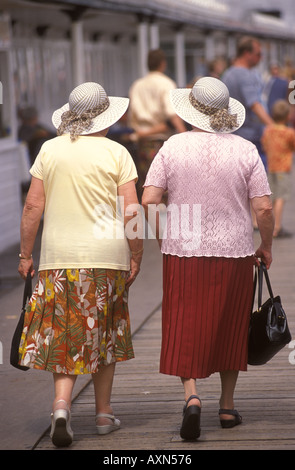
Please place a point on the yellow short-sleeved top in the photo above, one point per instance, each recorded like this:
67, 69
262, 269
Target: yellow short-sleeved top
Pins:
83, 226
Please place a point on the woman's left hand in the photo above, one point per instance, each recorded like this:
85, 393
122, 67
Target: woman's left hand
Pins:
25, 266
134, 270
265, 256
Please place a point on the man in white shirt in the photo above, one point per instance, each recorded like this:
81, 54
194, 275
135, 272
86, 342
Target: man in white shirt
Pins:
151, 114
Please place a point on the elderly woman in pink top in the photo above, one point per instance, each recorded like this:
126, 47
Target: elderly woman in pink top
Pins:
213, 178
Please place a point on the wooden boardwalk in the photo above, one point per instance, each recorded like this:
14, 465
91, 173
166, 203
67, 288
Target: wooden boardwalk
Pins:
149, 404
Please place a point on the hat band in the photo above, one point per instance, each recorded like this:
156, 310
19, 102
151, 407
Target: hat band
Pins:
220, 119
76, 123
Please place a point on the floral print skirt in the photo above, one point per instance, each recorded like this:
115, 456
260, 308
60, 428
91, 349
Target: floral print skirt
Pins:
76, 321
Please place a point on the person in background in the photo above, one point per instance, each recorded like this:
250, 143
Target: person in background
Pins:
122, 133
151, 114
77, 321
245, 85
278, 141
32, 132
212, 177
276, 87
217, 67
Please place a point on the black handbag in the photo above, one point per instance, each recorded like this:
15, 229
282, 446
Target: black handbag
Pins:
268, 329
14, 350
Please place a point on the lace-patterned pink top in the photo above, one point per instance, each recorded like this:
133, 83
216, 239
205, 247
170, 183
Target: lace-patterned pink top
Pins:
210, 180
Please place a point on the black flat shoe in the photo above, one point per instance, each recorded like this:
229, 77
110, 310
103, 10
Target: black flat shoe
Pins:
230, 423
190, 428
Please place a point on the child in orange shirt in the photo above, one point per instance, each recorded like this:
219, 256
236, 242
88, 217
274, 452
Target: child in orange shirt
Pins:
278, 141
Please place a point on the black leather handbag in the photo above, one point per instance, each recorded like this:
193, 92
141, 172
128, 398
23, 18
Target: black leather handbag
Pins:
14, 350
268, 330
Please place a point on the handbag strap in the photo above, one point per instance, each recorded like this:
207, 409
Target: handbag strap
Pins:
267, 280
254, 287
260, 285
27, 289
261, 271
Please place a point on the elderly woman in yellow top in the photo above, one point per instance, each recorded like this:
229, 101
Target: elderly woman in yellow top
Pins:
77, 321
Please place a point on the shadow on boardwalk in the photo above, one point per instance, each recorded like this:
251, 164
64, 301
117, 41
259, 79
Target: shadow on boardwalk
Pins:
149, 404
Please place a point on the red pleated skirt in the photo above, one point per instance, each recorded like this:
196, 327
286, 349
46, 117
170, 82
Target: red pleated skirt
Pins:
205, 315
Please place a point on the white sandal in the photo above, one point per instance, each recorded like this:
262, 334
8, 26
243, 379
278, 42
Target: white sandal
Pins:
107, 428
61, 432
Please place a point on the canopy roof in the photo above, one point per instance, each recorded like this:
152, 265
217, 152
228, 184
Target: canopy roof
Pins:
202, 14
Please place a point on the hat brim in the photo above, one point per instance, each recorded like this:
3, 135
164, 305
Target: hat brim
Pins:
185, 110
117, 108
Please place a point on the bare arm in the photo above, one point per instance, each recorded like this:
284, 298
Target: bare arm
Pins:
260, 112
156, 129
32, 213
161, 128
151, 198
133, 227
262, 207
178, 124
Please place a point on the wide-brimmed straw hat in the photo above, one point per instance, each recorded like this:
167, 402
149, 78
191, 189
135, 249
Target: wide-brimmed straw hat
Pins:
208, 106
89, 110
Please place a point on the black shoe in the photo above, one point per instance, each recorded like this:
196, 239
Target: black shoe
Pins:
230, 423
190, 428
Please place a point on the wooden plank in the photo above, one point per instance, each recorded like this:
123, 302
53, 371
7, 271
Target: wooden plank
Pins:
150, 404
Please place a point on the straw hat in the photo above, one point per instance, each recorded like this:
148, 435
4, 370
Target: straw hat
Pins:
89, 110
208, 106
